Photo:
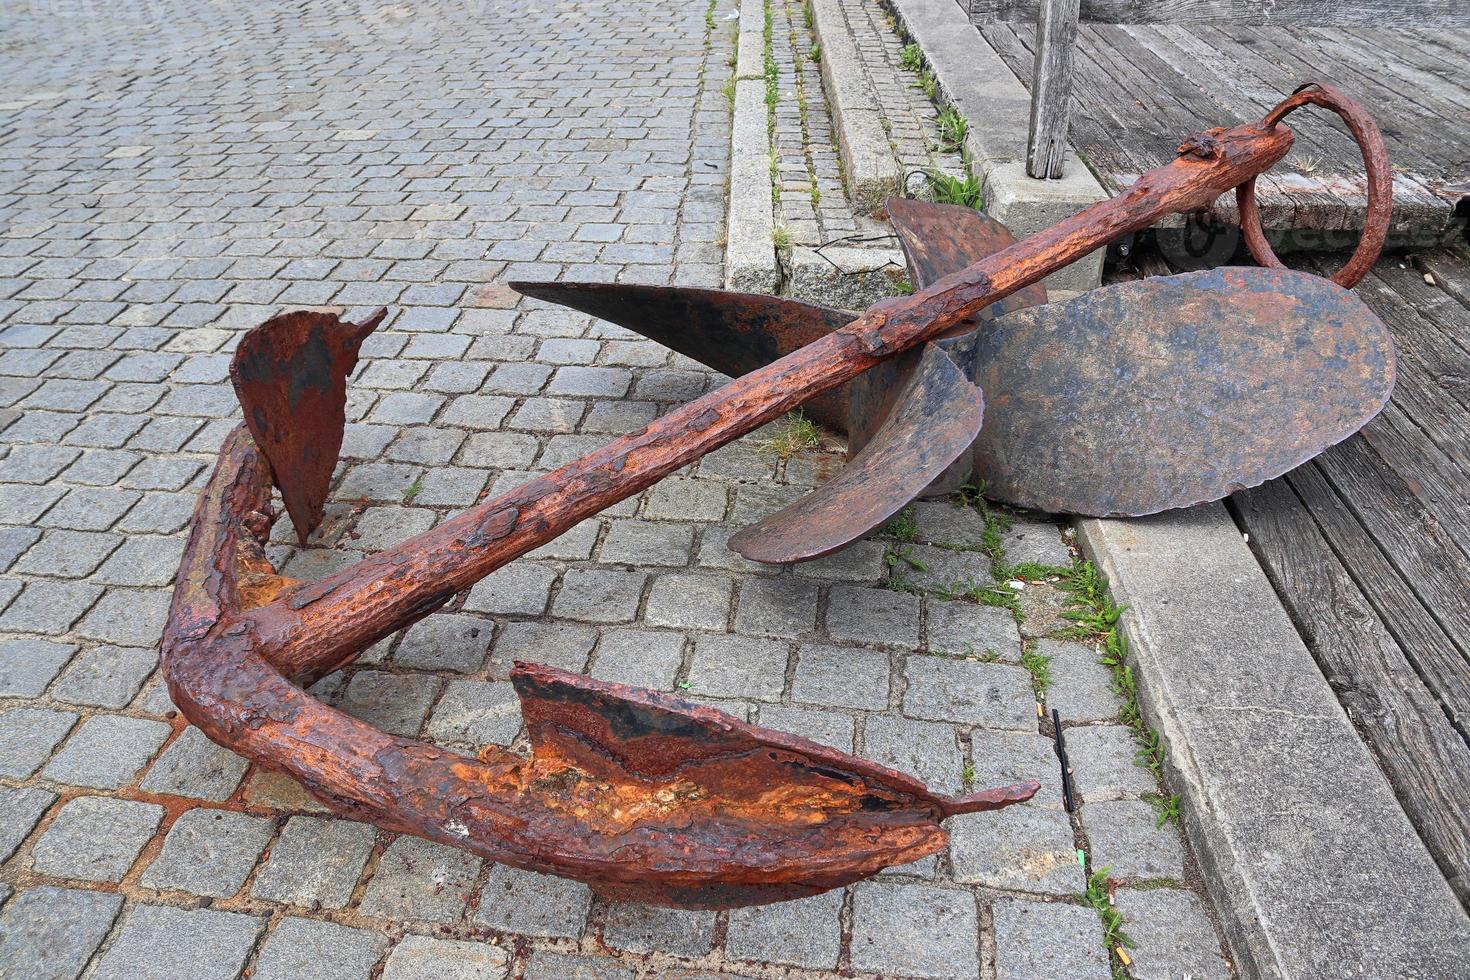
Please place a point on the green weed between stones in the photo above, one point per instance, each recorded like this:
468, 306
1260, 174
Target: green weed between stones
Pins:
1098, 895
781, 236
1040, 668
414, 489
952, 129
816, 53
910, 58
799, 433
948, 189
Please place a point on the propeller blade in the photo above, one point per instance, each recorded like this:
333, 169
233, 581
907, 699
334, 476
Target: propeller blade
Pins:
941, 239
734, 333
936, 420
290, 375
1176, 390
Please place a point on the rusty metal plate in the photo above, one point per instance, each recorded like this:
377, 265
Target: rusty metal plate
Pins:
734, 333
290, 375
936, 419
1173, 391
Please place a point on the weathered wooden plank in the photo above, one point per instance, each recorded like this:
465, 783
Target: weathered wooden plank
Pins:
1426, 760
1451, 273
1051, 88
1325, 13
1419, 338
1419, 634
1435, 306
1440, 485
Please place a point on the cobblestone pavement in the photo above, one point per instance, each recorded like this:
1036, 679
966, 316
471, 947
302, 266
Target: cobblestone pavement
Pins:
171, 174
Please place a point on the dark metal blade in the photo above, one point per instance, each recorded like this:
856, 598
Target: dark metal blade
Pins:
941, 239
734, 333
936, 419
1172, 391
290, 374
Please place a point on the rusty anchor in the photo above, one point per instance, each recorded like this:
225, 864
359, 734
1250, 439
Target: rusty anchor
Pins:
648, 797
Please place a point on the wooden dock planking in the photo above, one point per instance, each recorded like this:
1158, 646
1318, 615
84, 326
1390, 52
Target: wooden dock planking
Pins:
1140, 88
1369, 548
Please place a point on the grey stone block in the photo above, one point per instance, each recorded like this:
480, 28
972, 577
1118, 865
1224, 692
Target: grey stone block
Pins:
28, 665
533, 904
841, 677
861, 561
1039, 542
1172, 935
560, 966
738, 667
1126, 838
1007, 758
316, 862
944, 522
445, 642
782, 607
396, 703
687, 500
158, 941
648, 929
93, 838
750, 251
48, 607
1048, 940
27, 736
563, 645
421, 880
1020, 848
299, 948
477, 712
127, 617
1081, 687
920, 748
105, 677
915, 930
944, 571
20, 811
68, 554
873, 616
520, 588
194, 766
806, 932
209, 852
947, 689
52, 932
825, 727
643, 658
644, 543
423, 958
599, 596
970, 629
689, 602
1104, 761
107, 751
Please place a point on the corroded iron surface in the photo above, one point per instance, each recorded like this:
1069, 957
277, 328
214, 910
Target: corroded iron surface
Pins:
1172, 391
937, 417
290, 374
639, 794
734, 333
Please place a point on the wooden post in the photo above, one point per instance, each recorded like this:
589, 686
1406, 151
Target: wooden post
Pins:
1051, 86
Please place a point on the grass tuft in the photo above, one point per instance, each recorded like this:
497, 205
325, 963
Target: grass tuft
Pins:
910, 58
947, 189
952, 129
798, 434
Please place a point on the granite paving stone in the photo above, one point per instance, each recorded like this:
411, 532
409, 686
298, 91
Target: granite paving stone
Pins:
1003, 758
1020, 848
824, 727
1081, 687
298, 948
970, 629
160, 941
396, 703
647, 929
195, 767
445, 642
1033, 939
532, 904
520, 588
27, 736
209, 852
924, 749
564, 645
1105, 765
20, 810
738, 667
806, 932
948, 689
782, 607
1126, 837
914, 930
420, 880
28, 665
561, 966
94, 838
51, 933
105, 676
1172, 935
106, 751
315, 862
689, 602
597, 596
841, 677
476, 712
642, 658
425, 958
875, 616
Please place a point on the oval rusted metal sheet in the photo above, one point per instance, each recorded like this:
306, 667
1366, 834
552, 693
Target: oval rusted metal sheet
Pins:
936, 419
734, 333
1174, 391
290, 374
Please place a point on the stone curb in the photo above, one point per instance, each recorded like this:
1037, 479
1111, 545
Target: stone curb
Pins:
870, 167
750, 246
1307, 855
974, 79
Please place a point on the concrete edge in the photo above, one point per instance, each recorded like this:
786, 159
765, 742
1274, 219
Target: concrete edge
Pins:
1307, 855
869, 164
975, 80
750, 243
